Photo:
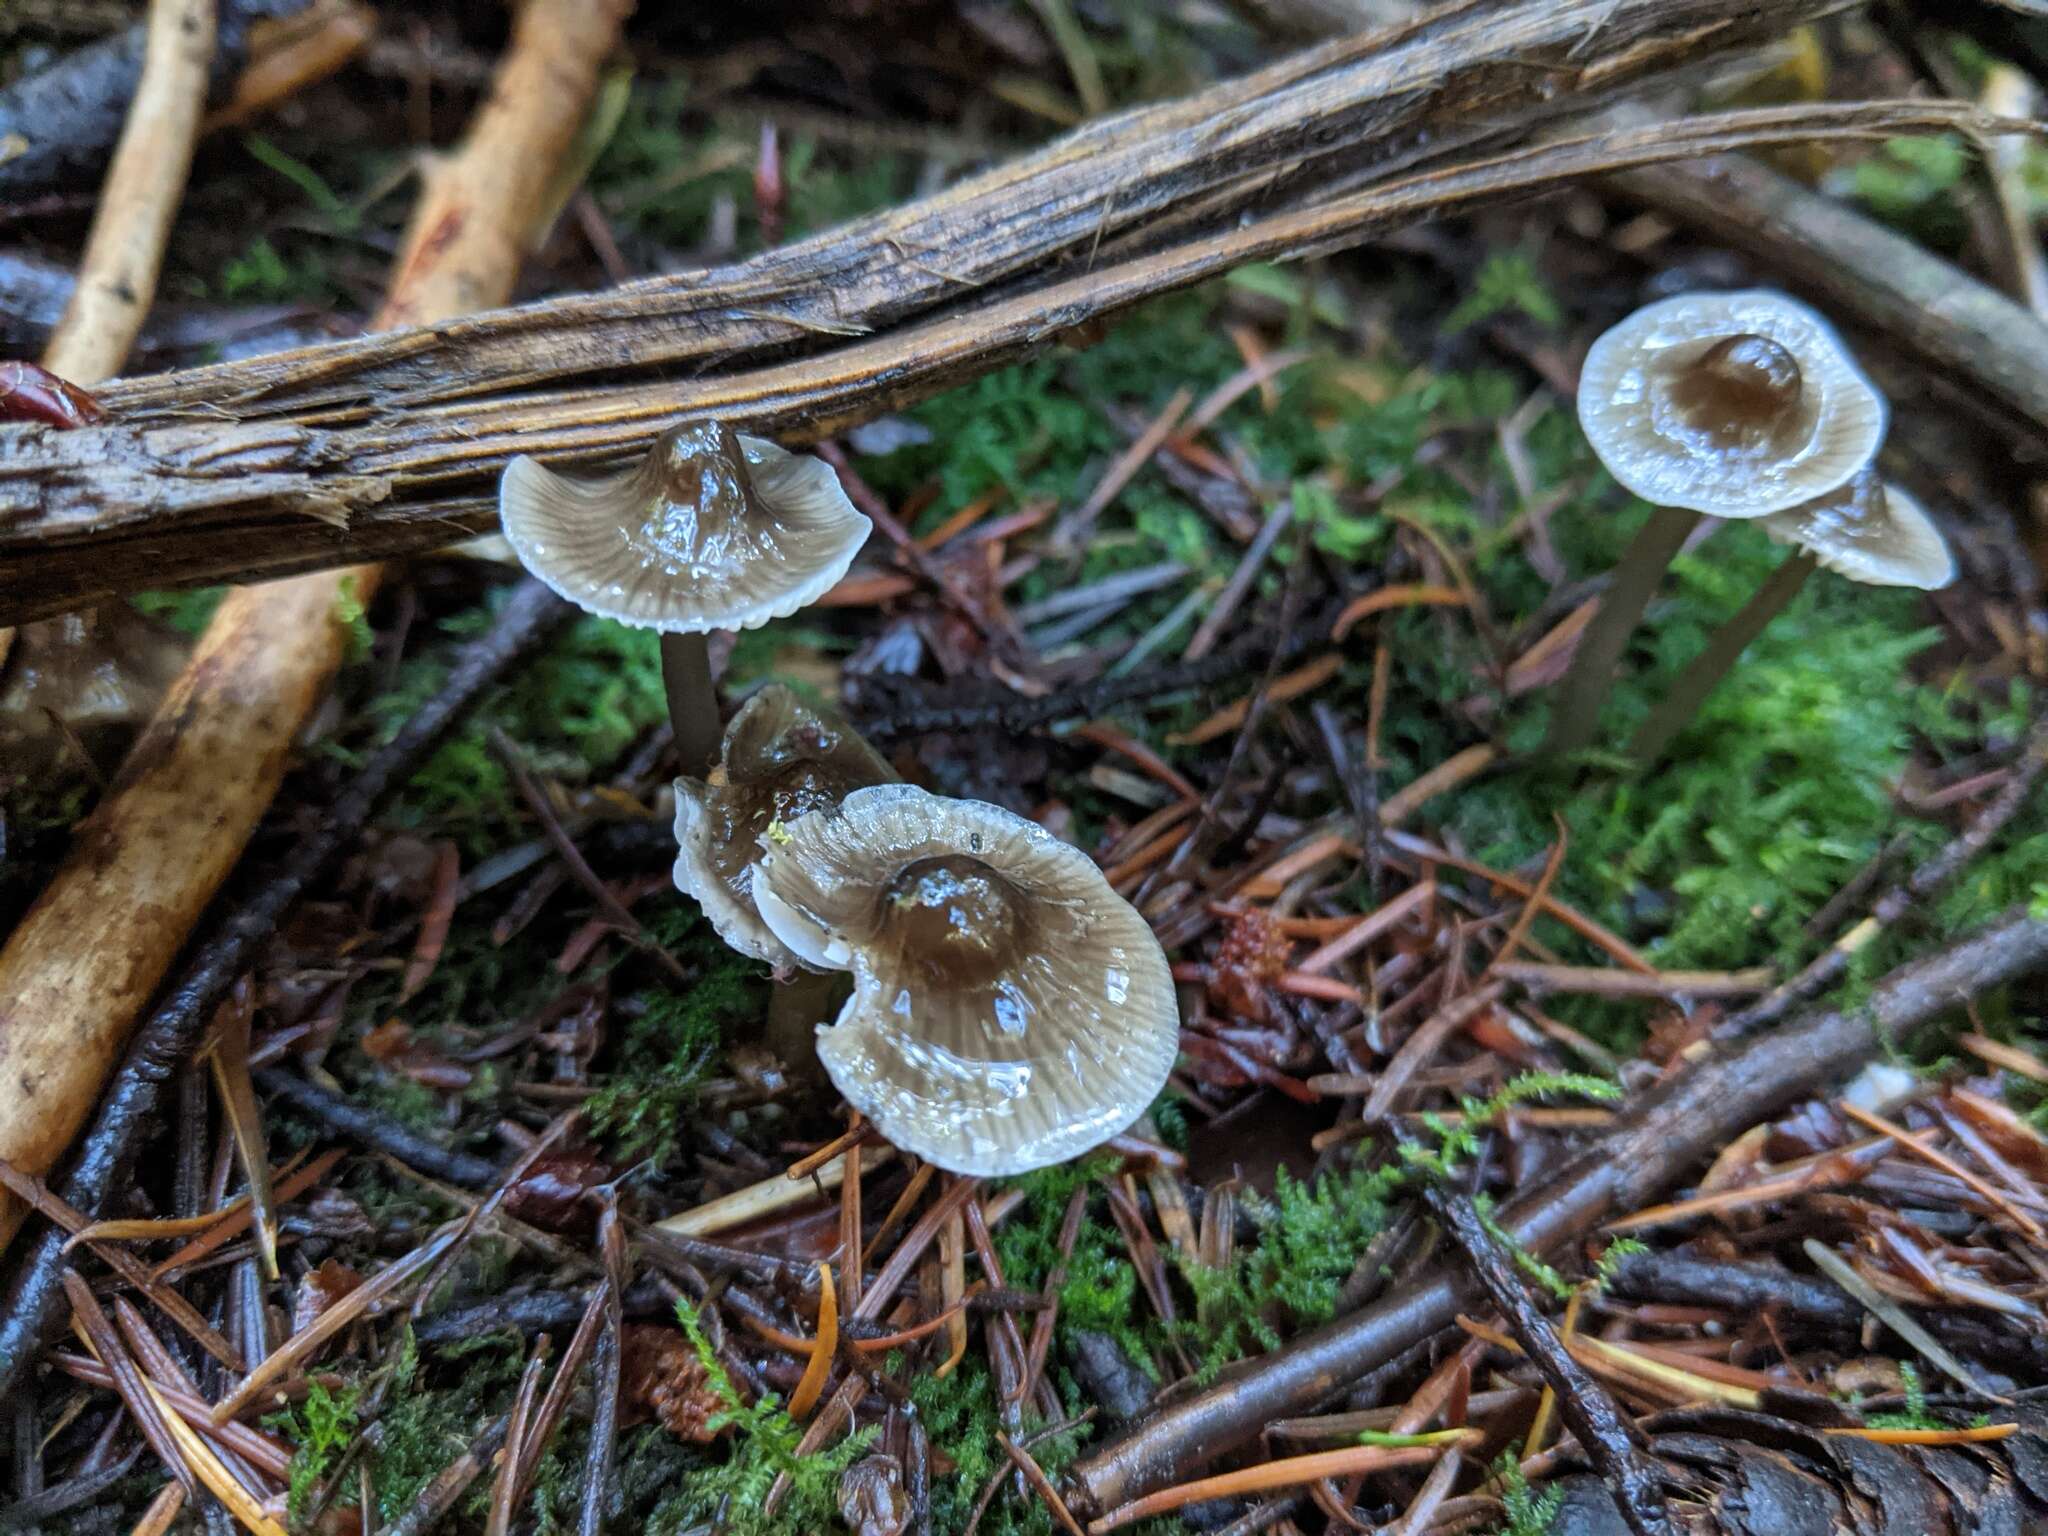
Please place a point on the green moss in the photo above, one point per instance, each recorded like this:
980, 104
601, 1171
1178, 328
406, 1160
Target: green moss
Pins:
1506, 281
574, 710
188, 610
319, 1430
1529, 1513
672, 1037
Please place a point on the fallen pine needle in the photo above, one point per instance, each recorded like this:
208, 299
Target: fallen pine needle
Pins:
1418, 595
1290, 685
1287, 1472
1446, 775
812, 1386
1976, 1434
2010, 1057
1947, 1165
235, 1217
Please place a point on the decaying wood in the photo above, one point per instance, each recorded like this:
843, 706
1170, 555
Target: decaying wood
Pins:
83, 962
1670, 1132
142, 505
249, 468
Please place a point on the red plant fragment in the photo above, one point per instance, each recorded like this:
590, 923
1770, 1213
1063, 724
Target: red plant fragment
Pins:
321, 1289
31, 393
551, 1193
662, 1378
1250, 959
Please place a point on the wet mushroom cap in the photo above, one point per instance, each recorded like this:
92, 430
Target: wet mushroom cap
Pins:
710, 530
781, 759
1009, 1010
1870, 532
1734, 404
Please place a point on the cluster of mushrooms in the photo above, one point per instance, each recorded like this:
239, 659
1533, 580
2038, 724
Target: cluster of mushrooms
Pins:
1008, 1009
1735, 405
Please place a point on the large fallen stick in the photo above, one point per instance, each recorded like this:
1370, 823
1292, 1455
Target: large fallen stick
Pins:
1676, 1129
374, 447
141, 505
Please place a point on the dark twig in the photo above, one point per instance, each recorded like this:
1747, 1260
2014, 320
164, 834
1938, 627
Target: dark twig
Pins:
169, 1036
1674, 1128
379, 1132
991, 708
1921, 885
606, 1371
36, 1507
1604, 1435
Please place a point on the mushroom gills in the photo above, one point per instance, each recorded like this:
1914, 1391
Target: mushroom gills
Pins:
712, 529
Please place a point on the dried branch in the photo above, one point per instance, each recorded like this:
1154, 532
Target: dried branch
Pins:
125, 251
1671, 1131
1603, 1433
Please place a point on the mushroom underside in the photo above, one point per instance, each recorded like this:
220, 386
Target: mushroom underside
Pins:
625, 546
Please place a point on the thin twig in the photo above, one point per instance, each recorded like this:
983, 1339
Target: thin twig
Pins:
1604, 1434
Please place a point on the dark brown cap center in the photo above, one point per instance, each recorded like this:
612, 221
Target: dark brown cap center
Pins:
954, 919
700, 466
1742, 392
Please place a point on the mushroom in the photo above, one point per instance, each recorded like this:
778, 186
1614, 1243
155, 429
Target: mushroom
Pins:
781, 759
1736, 404
1866, 530
79, 684
710, 530
1009, 1009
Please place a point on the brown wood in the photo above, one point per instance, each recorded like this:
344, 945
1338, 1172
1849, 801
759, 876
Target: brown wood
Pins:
386, 444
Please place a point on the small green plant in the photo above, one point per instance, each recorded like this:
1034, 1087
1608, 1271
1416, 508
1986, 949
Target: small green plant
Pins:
763, 1441
1915, 1414
673, 1038
1507, 280
319, 1429
1618, 1251
1529, 1513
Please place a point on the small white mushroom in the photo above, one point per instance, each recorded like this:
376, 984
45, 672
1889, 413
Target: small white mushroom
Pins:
710, 530
1009, 1009
1741, 405
781, 759
1734, 404
1869, 531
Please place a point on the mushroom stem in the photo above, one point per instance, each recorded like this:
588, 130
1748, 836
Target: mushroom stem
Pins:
692, 700
1575, 717
795, 1010
1704, 673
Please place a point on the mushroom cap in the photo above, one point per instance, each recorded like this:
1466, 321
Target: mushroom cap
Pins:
1869, 531
1009, 1009
781, 759
1632, 403
710, 530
